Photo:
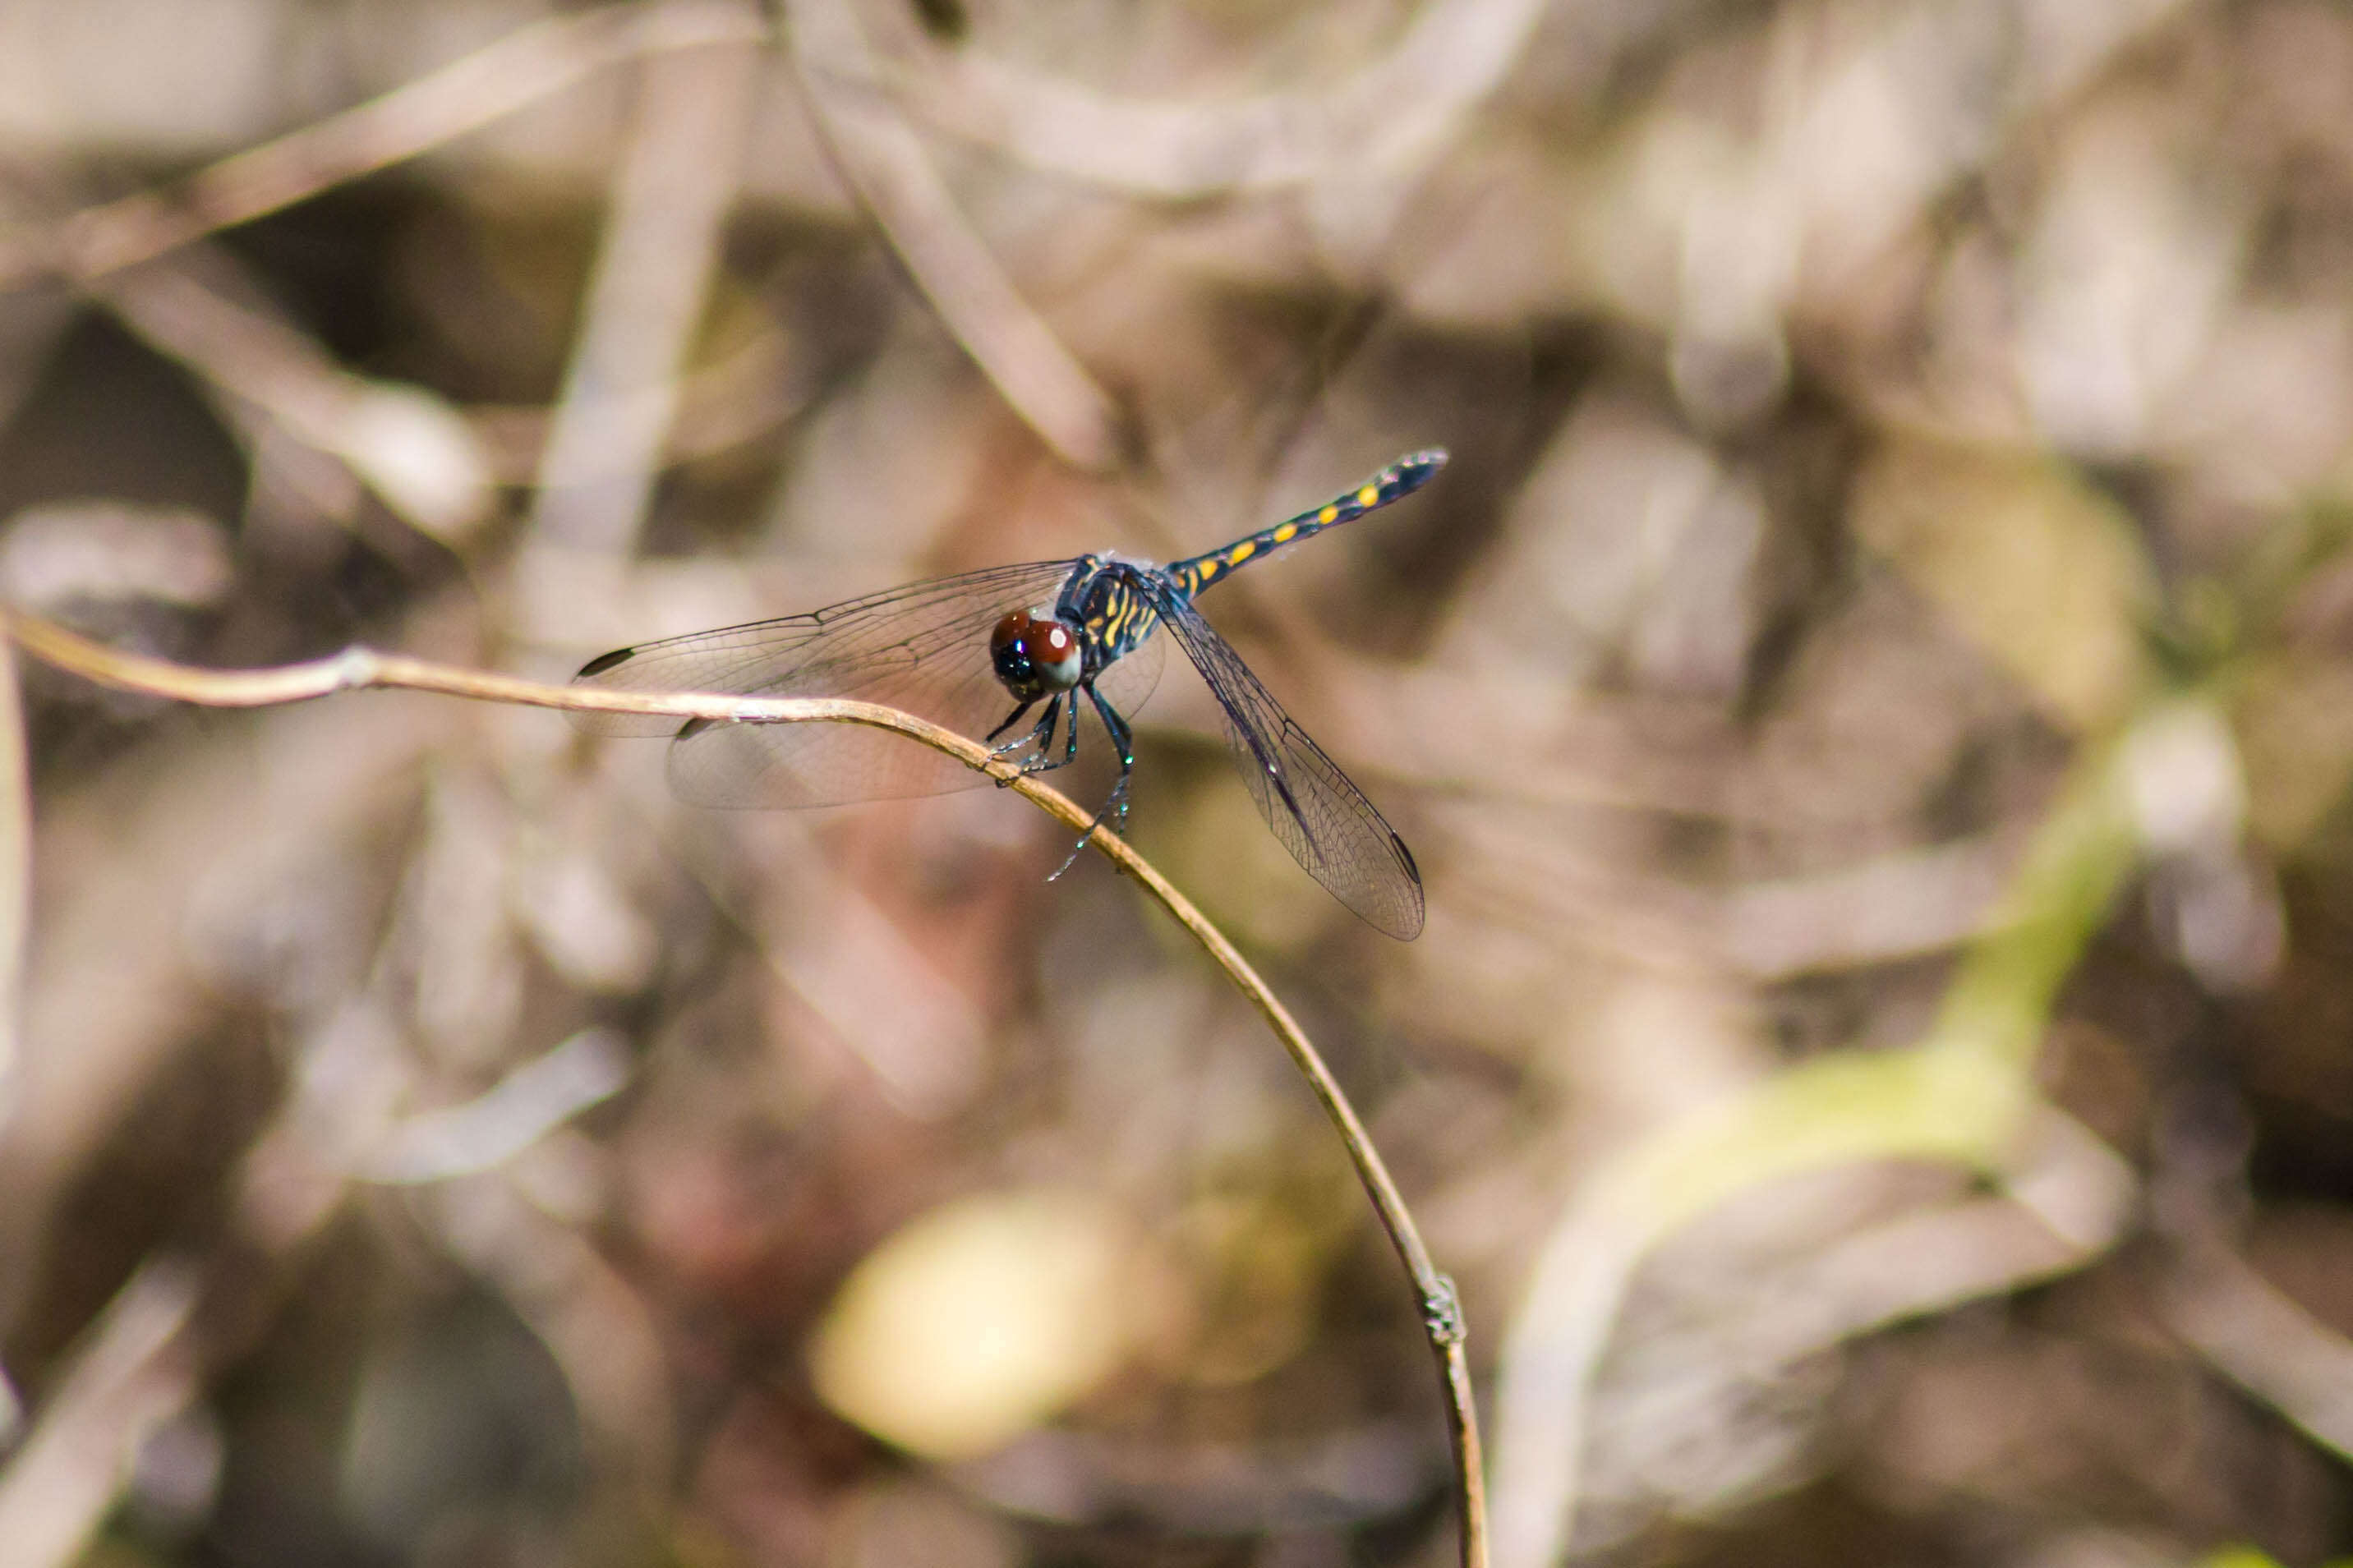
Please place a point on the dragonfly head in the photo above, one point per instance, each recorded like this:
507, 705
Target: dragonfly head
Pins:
1034, 654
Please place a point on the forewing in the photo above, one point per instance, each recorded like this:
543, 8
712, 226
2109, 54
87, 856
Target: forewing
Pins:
1321, 817
922, 648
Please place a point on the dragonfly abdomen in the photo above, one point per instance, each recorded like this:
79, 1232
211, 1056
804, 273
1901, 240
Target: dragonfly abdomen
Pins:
1400, 480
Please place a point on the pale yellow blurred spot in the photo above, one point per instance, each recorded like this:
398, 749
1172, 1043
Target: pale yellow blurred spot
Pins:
978, 1321
2038, 570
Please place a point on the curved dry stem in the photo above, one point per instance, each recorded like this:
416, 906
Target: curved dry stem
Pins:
356, 669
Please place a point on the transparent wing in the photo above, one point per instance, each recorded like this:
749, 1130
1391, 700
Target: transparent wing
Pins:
922, 649
1321, 817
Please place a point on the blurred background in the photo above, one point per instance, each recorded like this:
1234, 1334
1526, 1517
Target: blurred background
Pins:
1871, 698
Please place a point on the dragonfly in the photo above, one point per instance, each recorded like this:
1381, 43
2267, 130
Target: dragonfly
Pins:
982, 651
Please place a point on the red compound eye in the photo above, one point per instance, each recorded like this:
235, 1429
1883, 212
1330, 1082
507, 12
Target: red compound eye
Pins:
1035, 654
1010, 633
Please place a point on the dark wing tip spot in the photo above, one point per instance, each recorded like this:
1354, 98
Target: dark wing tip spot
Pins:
605, 661
1406, 855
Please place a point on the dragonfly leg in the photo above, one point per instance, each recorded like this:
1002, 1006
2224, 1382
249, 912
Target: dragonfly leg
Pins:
1030, 739
1122, 738
1044, 738
1041, 740
1010, 719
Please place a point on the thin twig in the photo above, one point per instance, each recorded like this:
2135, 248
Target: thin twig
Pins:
359, 667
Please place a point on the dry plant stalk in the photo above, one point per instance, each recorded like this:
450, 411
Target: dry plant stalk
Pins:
358, 668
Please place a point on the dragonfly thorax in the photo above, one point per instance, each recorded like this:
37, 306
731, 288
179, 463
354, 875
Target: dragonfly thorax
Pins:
1034, 654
